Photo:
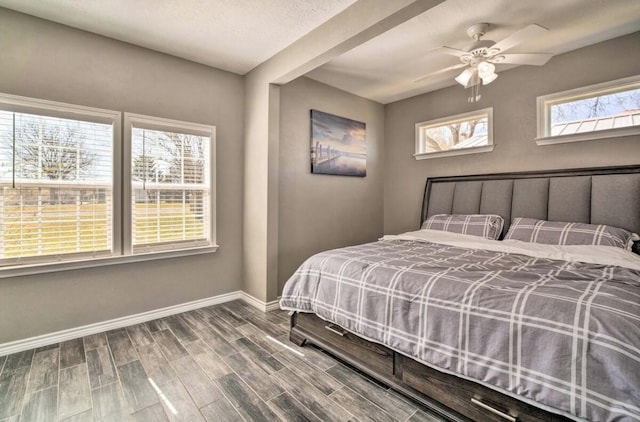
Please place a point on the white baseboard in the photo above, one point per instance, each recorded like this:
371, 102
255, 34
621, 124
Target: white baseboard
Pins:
257, 303
272, 306
99, 327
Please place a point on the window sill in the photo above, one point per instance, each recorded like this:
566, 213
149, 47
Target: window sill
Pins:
451, 153
15, 271
589, 136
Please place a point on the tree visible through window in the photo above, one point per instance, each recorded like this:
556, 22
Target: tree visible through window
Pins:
598, 111
170, 179
56, 179
454, 133
70, 194
607, 111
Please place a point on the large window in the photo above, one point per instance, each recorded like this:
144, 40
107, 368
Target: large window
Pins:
56, 179
72, 195
171, 195
605, 110
465, 133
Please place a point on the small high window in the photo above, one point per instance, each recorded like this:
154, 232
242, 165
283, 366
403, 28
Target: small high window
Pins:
606, 110
465, 133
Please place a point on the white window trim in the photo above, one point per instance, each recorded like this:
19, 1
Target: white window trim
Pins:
121, 167
20, 104
450, 153
451, 119
150, 122
544, 102
20, 270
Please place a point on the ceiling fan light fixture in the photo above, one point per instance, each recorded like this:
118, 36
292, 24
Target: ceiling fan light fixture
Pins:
482, 55
486, 69
486, 80
466, 75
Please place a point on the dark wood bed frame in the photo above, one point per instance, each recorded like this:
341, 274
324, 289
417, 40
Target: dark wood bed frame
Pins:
452, 397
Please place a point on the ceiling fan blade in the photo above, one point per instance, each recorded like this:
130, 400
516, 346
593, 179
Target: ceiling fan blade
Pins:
519, 37
451, 51
533, 59
437, 72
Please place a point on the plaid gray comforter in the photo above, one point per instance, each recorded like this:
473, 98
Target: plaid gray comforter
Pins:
561, 335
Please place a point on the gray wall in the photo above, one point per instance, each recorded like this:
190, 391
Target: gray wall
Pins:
45, 60
315, 212
513, 98
319, 212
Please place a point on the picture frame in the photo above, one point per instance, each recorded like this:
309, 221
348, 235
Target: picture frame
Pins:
338, 145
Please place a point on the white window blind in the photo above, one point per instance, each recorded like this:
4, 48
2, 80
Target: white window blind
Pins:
56, 186
72, 197
171, 196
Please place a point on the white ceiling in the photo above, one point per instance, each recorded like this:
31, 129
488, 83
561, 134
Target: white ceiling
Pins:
238, 35
234, 35
384, 68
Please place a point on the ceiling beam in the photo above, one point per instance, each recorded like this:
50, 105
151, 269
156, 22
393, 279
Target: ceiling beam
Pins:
355, 25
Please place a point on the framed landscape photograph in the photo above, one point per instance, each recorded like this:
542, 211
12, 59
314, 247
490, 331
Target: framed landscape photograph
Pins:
338, 145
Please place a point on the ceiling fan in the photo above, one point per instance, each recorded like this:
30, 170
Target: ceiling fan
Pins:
482, 56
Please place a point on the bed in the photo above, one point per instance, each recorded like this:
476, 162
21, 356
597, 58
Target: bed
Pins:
500, 329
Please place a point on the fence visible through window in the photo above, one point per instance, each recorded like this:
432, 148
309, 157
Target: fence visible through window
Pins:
170, 188
56, 186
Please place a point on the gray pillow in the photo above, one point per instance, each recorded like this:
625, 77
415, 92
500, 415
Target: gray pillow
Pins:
484, 225
562, 233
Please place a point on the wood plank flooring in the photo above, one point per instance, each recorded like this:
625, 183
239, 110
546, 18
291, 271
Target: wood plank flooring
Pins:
222, 363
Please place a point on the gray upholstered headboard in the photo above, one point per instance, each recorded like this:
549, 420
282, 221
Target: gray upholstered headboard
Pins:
604, 195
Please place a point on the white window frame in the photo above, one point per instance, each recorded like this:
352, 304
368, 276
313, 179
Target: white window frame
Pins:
545, 102
121, 212
485, 112
156, 123
19, 104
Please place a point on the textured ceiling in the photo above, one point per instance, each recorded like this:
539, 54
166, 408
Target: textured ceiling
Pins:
238, 35
384, 68
234, 35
